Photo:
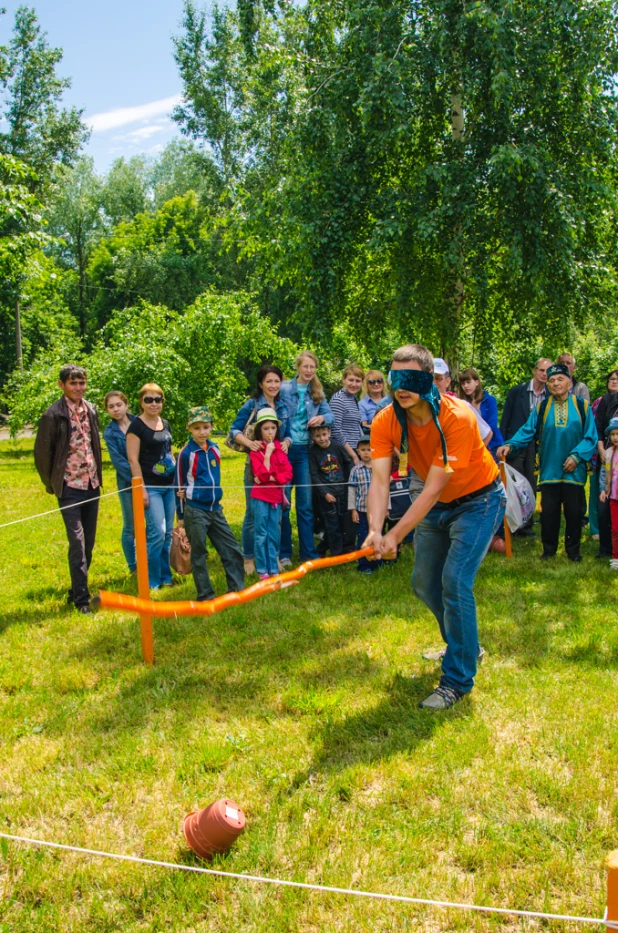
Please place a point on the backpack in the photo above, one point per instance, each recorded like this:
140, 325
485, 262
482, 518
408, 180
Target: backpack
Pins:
582, 408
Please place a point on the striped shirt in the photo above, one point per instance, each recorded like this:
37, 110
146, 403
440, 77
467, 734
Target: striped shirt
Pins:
358, 487
347, 428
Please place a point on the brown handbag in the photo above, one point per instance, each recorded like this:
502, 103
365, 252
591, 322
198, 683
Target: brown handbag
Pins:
180, 552
248, 431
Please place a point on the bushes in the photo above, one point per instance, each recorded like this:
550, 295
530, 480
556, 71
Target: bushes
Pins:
207, 355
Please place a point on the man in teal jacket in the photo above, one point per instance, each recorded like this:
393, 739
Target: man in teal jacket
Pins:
564, 429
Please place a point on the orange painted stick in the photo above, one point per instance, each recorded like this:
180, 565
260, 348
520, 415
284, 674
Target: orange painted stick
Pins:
189, 607
141, 554
508, 541
612, 886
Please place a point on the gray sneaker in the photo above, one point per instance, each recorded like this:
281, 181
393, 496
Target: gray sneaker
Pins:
438, 655
443, 697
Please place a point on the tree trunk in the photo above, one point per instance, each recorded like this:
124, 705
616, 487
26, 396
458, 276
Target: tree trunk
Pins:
20, 358
457, 298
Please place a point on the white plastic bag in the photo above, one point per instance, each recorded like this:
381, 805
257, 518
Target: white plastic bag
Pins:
520, 499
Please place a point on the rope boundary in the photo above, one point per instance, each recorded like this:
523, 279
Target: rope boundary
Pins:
279, 882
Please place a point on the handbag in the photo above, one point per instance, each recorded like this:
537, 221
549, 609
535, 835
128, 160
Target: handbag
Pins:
180, 552
248, 432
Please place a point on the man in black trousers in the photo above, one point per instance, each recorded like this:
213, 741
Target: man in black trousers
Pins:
520, 401
67, 455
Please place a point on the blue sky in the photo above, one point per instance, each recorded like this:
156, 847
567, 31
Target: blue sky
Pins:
118, 54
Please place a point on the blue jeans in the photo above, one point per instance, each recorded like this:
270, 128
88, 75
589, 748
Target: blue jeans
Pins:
267, 532
127, 537
299, 458
362, 530
450, 547
247, 522
159, 527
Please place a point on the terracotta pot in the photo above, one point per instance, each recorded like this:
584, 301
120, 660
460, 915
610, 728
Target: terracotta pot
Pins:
215, 828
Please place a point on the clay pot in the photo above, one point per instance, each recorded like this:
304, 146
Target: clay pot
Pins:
214, 829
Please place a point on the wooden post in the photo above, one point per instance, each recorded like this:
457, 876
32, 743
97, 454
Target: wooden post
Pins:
508, 541
612, 888
141, 553
18, 346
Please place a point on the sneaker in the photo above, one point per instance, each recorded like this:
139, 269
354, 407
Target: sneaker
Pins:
613, 564
264, 576
545, 556
576, 558
249, 566
285, 563
443, 697
438, 655
85, 610
366, 571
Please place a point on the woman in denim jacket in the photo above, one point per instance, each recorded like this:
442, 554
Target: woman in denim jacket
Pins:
115, 436
307, 407
267, 395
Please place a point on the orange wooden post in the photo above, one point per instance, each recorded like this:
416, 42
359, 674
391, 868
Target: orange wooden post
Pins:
141, 553
508, 541
612, 888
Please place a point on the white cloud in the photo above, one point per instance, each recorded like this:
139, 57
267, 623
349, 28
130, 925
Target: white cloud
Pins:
122, 116
145, 132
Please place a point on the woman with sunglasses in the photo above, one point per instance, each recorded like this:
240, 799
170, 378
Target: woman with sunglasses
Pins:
374, 390
149, 449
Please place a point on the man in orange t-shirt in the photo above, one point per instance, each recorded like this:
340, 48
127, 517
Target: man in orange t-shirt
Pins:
456, 515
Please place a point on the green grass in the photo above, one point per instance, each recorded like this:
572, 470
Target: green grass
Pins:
301, 706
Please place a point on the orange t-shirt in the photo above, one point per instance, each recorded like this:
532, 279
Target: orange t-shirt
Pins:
472, 464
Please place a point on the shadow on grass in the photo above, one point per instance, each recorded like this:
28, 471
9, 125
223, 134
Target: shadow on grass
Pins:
393, 726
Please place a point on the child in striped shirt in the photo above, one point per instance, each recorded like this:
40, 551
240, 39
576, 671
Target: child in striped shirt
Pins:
358, 488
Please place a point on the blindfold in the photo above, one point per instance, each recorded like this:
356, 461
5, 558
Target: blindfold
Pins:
410, 380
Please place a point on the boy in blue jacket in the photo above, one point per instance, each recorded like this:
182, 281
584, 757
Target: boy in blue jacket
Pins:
198, 505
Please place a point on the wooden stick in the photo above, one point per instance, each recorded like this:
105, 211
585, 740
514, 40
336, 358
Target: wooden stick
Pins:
147, 607
508, 541
612, 887
141, 553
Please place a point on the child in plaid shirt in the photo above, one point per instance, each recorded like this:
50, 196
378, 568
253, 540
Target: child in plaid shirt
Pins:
358, 487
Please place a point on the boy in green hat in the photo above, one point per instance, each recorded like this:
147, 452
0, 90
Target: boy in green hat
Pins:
198, 482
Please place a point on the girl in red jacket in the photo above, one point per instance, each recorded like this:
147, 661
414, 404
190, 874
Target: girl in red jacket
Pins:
271, 470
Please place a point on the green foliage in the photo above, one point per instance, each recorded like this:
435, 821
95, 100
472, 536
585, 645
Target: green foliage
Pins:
39, 131
29, 392
167, 257
205, 356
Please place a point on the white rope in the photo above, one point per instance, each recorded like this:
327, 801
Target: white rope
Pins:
400, 898
73, 505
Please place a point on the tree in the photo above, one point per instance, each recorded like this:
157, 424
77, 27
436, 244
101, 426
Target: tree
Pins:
447, 169
210, 68
21, 222
126, 190
39, 132
180, 168
77, 221
166, 258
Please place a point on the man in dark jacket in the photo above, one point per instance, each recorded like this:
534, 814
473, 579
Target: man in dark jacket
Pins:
67, 455
520, 401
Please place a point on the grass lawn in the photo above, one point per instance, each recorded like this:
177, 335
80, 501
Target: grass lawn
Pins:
302, 707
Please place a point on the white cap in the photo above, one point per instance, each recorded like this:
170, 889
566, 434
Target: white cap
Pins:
440, 368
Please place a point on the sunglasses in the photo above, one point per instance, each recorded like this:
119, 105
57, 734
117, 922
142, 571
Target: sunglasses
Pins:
153, 399
375, 382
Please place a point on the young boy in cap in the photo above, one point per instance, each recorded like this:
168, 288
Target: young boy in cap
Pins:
198, 478
330, 465
564, 429
358, 488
